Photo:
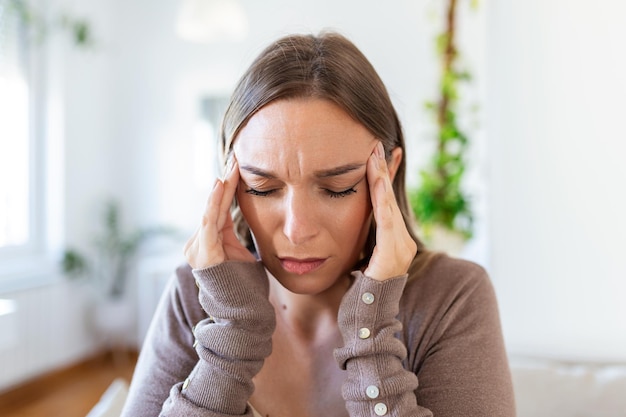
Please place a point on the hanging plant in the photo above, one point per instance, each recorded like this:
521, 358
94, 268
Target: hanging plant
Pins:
440, 201
38, 27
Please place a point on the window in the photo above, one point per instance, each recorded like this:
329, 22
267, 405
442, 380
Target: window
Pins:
21, 231
15, 143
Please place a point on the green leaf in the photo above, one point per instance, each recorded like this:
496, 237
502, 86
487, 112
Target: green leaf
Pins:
74, 263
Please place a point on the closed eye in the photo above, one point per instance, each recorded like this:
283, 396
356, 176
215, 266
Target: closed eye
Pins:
339, 194
328, 191
331, 193
259, 193
344, 193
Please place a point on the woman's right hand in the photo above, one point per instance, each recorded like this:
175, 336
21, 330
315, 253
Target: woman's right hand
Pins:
215, 240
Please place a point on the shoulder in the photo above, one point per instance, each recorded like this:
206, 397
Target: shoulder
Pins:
446, 295
450, 323
184, 283
182, 296
442, 276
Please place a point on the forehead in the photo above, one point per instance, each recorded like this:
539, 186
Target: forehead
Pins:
313, 133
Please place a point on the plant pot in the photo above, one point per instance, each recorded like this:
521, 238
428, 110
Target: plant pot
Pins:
114, 320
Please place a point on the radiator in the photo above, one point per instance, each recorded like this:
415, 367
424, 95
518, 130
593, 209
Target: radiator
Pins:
45, 329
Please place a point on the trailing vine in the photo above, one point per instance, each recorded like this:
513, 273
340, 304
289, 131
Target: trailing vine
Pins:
440, 199
39, 27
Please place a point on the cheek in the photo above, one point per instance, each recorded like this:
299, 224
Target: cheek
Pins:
262, 219
248, 208
349, 221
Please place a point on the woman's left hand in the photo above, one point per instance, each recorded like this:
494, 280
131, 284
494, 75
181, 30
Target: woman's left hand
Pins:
395, 249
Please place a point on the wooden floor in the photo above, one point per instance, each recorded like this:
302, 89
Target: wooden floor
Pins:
69, 392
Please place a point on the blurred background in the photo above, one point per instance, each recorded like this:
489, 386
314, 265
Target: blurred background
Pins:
107, 120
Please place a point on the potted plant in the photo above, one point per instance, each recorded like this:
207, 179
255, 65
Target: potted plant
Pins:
441, 207
107, 270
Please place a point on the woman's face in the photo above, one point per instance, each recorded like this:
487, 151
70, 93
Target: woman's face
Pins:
303, 190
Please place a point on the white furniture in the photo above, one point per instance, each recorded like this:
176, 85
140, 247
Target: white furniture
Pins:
550, 388
112, 401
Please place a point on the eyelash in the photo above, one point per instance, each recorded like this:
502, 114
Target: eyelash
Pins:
340, 194
331, 194
258, 193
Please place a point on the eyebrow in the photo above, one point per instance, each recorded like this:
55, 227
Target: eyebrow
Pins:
340, 170
324, 173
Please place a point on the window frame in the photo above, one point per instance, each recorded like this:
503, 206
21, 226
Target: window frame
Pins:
32, 264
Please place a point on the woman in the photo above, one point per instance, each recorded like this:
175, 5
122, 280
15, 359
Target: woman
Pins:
316, 298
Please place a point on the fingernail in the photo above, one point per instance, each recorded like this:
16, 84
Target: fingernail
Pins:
380, 150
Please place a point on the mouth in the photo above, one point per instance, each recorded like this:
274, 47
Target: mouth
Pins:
301, 266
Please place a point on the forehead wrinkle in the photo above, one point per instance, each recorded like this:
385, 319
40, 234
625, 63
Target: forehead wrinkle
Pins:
340, 170
258, 172
324, 173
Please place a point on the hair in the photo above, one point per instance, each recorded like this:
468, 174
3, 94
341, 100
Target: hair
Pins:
327, 66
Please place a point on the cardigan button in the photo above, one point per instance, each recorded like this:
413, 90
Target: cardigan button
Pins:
380, 409
372, 391
368, 298
364, 333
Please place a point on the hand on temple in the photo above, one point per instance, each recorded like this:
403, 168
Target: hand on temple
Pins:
395, 249
215, 240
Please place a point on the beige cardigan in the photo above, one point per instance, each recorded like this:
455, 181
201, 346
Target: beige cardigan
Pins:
433, 345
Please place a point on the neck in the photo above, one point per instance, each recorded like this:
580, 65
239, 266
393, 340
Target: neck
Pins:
306, 315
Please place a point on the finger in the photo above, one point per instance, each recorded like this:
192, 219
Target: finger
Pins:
231, 179
213, 204
204, 248
381, 191
383, 207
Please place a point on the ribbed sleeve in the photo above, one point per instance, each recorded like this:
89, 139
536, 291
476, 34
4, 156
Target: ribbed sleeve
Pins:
232, 342
377, 384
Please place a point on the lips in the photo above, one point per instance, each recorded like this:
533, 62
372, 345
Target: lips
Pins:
301, 266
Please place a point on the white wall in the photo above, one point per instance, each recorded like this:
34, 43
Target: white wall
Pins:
556, 174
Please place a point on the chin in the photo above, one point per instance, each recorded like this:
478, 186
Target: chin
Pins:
302, 284
305, 284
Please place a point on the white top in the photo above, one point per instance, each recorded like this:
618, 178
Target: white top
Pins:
254, 412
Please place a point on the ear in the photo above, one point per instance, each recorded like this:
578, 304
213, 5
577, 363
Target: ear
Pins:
394, 162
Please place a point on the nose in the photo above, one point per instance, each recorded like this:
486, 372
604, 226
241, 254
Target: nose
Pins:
299, 220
